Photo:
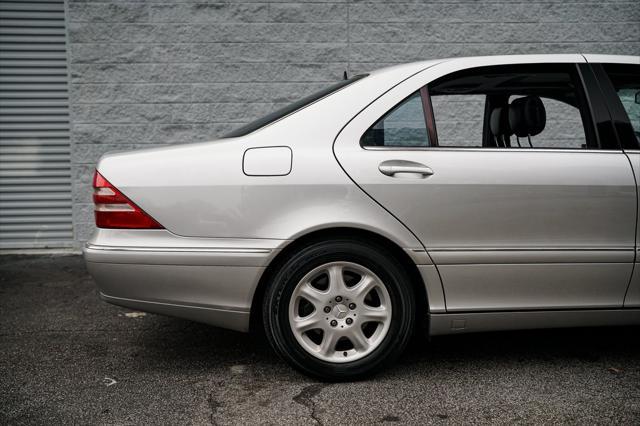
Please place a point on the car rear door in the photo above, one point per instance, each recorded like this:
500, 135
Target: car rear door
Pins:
539, 222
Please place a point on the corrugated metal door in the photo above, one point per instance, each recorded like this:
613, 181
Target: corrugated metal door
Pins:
35, 173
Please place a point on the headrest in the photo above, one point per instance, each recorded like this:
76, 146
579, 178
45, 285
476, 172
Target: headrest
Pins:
527, 116
499, 122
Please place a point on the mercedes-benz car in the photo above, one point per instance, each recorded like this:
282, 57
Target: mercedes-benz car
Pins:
455, 195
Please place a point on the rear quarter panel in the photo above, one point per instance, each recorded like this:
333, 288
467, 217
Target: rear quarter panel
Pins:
200, 190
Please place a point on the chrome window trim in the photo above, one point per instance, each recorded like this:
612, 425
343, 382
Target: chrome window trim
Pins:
444, 148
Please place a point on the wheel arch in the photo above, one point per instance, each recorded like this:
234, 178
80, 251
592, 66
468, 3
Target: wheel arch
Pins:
327, 234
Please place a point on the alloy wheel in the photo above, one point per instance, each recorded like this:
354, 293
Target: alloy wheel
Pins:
340, 312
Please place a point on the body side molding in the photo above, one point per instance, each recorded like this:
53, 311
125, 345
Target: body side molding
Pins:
440, 324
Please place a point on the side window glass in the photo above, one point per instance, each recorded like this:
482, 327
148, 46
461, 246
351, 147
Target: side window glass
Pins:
459, 119
512, 106
630, 99
403, 126
626, 81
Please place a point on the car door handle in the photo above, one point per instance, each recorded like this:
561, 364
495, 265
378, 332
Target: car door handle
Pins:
393, 167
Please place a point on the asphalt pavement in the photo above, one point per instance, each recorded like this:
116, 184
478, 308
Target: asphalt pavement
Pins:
67, 357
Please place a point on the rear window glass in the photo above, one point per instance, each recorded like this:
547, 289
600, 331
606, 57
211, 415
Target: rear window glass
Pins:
298, 105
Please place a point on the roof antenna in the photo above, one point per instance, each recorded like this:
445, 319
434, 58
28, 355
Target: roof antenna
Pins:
344, 76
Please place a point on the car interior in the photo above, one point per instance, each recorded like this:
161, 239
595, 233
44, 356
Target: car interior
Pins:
523, 118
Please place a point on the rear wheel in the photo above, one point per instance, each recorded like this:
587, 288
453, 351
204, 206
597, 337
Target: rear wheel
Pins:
339, 310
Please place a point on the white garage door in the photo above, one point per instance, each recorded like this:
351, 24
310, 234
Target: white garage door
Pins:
35, 174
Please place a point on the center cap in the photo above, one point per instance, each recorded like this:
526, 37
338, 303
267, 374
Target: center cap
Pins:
340, 311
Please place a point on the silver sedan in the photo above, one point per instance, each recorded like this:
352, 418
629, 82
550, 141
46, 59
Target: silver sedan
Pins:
453, 196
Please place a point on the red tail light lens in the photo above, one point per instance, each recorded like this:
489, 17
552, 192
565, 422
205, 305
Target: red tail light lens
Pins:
114, 210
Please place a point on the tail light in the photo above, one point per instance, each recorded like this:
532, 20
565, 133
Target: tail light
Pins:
114, 210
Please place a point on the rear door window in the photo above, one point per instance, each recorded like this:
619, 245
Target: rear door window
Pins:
512, 106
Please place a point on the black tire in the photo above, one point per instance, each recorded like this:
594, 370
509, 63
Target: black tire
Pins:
372, 256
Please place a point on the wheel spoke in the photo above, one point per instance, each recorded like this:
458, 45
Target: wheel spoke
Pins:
364, 287
370, 314
312, 294
336, 279
307, 323
358, 339
328, 344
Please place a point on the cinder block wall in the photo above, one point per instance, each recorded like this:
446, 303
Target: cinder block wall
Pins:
151, 73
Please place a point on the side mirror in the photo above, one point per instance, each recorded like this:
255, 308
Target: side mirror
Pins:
638, 97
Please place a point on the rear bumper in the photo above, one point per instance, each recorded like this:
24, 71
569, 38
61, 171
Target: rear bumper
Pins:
208, 280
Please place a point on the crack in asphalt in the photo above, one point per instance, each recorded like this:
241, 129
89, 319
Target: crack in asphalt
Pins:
213, 407
305, 398
214, 404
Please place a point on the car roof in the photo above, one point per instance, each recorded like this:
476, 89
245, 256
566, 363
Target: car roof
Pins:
514, 59
615, 59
